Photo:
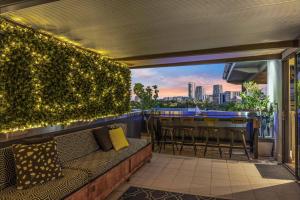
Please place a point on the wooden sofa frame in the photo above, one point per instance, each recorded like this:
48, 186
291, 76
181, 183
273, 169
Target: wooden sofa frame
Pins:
102, 186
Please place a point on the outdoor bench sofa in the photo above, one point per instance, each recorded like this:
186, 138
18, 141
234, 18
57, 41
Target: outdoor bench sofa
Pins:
89, 173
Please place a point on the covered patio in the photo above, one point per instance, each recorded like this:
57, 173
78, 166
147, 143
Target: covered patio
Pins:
65, 86
229, 179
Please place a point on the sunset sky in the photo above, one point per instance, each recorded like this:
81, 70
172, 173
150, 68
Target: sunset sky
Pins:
173, 81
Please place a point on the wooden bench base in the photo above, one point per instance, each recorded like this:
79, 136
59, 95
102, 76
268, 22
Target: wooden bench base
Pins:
100, 188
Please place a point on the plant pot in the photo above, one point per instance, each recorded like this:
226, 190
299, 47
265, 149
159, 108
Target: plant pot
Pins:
265, 147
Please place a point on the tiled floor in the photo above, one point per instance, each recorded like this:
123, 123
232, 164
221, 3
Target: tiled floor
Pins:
210, 177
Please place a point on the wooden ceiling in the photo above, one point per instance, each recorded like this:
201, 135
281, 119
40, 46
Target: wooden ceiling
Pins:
153, 33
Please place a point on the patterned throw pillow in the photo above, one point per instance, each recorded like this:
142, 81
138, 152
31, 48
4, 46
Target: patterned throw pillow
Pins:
36, 164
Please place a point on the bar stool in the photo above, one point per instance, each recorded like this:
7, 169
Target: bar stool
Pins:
176, 125
241, 132
166, 131
212, 130
150, 130
187, 130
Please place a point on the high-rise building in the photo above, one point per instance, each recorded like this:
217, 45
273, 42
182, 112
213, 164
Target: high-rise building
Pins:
231, 96
228, 96
191, 90
217, 90
208, 98
222, 98
199, 93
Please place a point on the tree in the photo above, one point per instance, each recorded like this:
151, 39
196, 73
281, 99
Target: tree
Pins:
253, 99
148, 96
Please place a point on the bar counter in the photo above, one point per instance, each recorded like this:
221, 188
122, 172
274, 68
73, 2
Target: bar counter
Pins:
216, 119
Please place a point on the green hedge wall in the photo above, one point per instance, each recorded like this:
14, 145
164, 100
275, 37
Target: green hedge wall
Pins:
46, 81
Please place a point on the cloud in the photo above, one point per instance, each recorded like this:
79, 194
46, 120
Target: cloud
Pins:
172, 91
172, 83
143, 73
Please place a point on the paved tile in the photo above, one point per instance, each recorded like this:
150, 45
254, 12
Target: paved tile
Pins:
230, 179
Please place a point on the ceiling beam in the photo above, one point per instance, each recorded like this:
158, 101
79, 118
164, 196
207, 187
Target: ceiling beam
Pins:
12, 5
229, 49
201, 62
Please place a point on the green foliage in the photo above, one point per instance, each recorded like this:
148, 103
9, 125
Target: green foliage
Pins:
253, 99
45, 81
298, 92
147, 96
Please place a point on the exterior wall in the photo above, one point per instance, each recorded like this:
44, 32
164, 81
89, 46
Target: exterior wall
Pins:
275, 95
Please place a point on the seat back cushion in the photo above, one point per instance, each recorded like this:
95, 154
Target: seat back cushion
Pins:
102, 137
7, 168
75, 145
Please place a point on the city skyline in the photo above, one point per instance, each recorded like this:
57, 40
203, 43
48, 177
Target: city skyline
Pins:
173, 81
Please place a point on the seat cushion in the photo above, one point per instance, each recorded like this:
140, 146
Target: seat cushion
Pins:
7, 168
53, 190
36, 163
97, 163
75, 145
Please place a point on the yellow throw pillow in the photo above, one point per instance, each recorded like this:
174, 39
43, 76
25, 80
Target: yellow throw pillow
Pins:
118, 138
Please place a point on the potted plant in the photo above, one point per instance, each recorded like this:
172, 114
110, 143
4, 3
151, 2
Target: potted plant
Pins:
147, 101
257, 103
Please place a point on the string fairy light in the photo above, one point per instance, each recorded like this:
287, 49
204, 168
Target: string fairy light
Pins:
47, 57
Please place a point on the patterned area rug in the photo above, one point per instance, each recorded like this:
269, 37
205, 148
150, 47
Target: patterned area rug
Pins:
137, 193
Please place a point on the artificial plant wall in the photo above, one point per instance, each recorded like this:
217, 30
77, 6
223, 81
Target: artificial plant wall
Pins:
45, 81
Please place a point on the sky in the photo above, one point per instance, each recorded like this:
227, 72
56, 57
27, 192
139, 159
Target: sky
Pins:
173, 81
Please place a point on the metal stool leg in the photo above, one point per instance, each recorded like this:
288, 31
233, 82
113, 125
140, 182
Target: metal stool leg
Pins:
245, 145
231, 144
173, 141
206, 142
218, 143
165, 139
182, 141
161, 140
194, 144
175, 136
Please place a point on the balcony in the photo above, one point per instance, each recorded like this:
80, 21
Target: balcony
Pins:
68, 127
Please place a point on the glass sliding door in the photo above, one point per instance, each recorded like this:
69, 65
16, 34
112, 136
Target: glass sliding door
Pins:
290, 96
297, 136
